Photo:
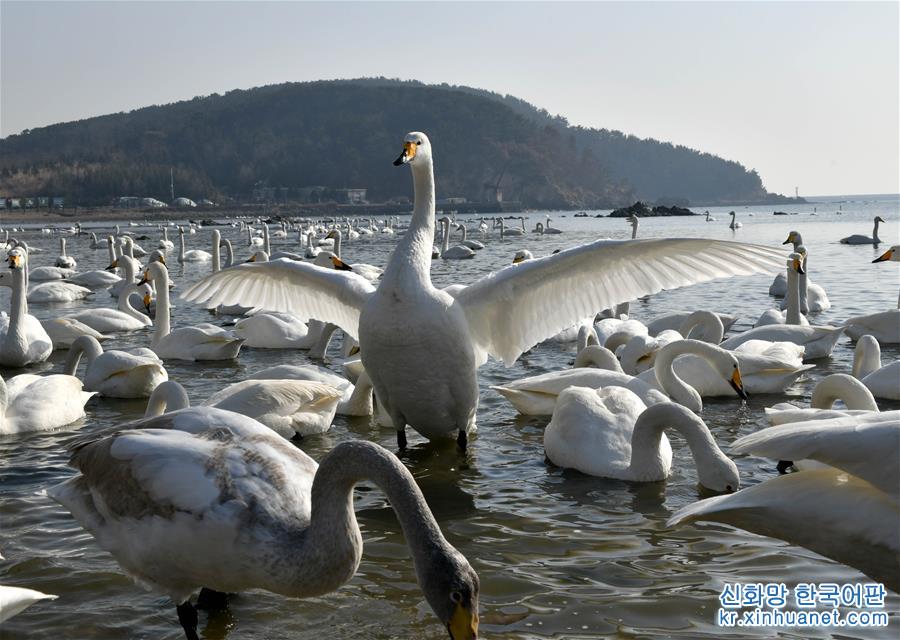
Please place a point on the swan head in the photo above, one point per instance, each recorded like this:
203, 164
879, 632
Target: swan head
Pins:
16, 259
416, 149
522, 255
892, 254
113, 265
795, 262
793, 238
879, 219
451, 588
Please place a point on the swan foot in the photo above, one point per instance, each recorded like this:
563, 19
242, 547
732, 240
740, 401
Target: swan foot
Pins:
187, 616
401, 439
211, 600
785, 466
462, 440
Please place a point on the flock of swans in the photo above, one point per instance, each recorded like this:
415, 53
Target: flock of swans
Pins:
215, 497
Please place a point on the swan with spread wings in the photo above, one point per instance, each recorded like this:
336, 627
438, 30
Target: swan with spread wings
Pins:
421, 345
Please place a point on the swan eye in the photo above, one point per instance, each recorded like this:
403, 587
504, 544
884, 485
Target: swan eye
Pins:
728, 488
456, 596
418, 142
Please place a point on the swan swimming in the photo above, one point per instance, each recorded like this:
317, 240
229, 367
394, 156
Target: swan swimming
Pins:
861, 239
883, 382
23, 340
421, 346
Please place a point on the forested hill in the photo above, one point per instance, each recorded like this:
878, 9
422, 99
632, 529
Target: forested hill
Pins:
344, 134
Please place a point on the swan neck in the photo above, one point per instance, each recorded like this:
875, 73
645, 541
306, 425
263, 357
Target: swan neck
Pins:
411, 259
360, 401
161, 325
216, 254
167, 396
710, 325
83, 345
840, 386
866, 358
445, 236
181, 245
229, 253
597, 356
124, 304
675, 387
875, 231
792, 312
337, 243
332, 511
18, 304
266, 246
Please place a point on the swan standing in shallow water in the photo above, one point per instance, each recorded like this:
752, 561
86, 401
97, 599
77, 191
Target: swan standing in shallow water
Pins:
209, 498
847, 511
610, 433
23, 340
421, 346
861, 239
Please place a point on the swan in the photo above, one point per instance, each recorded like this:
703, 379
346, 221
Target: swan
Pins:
167, 497
734, 224
611, 434
885, 325
116, 374
847, 511
639, 353
64, 261
818, 342
812, 297
40, 403
273, 330
194, 255
472, 244
421, 346
311, 250
129, 270
512, 231
883, 382
367, 271
522, 255
710, 218
95, 243
23, 340
96, 278
861, 239
14, 600
47, 274
613, 332
165, 244
537, 395
792, 314
356, 399
549, 229
675, 320
635, 223
131, 248
288, 407
123, 318
202, 341
838, 386
57, 292
456, 252
64, 331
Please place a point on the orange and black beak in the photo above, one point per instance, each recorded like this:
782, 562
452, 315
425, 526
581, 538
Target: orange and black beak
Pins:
147, 300
146, 278
114, 265
789, 240
409, 152
340, 265
15, 261
798, 266
887, 255
737, 385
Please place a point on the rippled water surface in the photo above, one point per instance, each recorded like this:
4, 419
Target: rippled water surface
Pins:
559, 554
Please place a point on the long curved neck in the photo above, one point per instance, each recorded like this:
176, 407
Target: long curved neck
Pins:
596, 356
167, 396
110, 246
792, 315
411, 260
648, 431
501, 228
266, 246
325, 560
463, 227
161, 326
840, 386
128, 268
216, 256
803, 286
18, 306
866, 357
710, 324
181, 245
634, 229
83, 345
360, 401
674, 386
124, 303
229, 253
445, 235
587, 336
875, 231
337, 242
62, 247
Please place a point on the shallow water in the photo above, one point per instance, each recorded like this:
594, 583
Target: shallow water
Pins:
559, 554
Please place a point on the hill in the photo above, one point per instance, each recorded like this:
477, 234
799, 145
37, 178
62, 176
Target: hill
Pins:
344, 134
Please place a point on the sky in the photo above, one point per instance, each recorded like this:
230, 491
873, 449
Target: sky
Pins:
806, 93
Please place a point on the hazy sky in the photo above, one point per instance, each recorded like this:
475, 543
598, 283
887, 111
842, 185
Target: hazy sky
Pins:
806, 93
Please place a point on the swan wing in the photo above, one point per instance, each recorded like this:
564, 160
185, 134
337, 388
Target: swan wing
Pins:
300, 288
513, 309
866, 449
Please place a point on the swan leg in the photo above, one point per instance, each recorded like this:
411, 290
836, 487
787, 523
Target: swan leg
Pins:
187, 616
211, 600
401, 437
783, 466
462, 440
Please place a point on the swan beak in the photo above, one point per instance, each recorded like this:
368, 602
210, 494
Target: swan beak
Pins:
409, 152
887, 255
789, 240
252, 258
463, 624
353, 351
114, 265
147, 300
518, 259
14, 261
798, 266
340, 265
736, 384
146, 278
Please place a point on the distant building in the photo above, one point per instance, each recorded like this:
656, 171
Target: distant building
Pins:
183, 202
128, 202
153, 203
350, 196
454, 200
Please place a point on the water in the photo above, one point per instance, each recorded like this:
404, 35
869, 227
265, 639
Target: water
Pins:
559, 554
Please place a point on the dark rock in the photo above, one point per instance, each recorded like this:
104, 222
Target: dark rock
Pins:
640, 210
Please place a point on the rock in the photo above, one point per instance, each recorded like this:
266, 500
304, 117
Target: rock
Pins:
640, 210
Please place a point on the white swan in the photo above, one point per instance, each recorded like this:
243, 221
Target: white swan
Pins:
734, 223
639, 353
367, 271
818, 342
123, 318
356, 399
456, 252
202, 341
14, 600
116, 374
883, 382
57, 291
675, 320
421, 346
194, 255
40, 403
48, 274
861, 239
610, 433
96, 278
549, 229
167, 496
23, 340
512, 231
829, 390
475, 245
65, 261
95, 243
635, 222
847, 511
165, 244
791, 315
274, 330
522, 255
64, 331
